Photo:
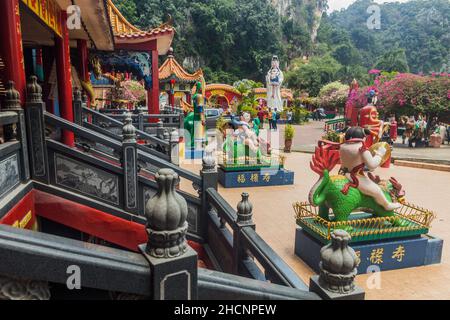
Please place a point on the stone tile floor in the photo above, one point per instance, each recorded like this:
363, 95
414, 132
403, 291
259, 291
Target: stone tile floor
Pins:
275, 222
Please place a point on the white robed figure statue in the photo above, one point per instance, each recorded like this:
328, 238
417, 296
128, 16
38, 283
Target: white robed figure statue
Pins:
274, 80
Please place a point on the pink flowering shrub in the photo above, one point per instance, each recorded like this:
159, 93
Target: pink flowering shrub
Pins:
406, 93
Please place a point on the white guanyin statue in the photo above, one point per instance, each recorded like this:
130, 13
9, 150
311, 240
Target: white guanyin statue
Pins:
274, 80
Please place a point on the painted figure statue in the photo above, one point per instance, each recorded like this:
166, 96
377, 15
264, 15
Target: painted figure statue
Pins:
274, 80
369, 119
354, 188
194, 122
244, 141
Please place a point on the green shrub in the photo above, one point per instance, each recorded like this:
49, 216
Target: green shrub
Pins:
289, 132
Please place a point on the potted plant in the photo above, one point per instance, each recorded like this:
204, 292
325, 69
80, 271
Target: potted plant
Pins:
289, 132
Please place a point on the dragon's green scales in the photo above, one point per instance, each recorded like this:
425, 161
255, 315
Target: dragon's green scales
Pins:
327, 192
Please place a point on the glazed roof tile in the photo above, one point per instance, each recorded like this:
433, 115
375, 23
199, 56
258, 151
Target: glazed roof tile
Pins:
171, 67
123, 29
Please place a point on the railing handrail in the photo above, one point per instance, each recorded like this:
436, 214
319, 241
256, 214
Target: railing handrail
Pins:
270, 260
8, 117
143, 134
225, 210
332, 121
146, 157
82, 131
219, 285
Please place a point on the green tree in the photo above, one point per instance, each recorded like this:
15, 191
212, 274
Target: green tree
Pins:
393, 60
314, 75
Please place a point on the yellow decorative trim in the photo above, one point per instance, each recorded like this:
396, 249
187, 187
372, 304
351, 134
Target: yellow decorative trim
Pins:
373, 226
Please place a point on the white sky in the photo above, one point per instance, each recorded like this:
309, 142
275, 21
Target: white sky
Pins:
340, 4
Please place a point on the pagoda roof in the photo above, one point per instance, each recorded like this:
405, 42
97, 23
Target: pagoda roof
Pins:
171, 68
126, 33
222, 86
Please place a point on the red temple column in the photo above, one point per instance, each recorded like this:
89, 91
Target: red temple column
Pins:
153, 94
84, 61
11, 49
63, 68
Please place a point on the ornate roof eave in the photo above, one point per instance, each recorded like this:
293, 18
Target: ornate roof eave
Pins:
127, 34
222, 86
171, 69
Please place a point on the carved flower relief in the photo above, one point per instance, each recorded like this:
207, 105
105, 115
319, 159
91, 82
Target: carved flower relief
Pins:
16, 289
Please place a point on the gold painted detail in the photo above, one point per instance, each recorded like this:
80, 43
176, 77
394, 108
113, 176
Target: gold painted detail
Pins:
24, 221
418, 217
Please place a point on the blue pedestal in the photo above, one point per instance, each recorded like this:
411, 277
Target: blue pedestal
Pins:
191, 153
258, 178
386, 255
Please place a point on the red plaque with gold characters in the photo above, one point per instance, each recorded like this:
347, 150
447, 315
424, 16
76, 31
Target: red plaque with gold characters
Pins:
48, 11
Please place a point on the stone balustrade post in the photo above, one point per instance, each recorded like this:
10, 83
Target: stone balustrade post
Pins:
18, 131
173, 263
174, 147
34, 114
77, 107
243, 220
160, 129
129, 154
209, 178
338, 269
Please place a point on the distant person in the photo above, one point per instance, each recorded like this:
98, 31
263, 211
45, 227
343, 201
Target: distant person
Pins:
274, 119
314, 115
269, 117
260, 115
289, 116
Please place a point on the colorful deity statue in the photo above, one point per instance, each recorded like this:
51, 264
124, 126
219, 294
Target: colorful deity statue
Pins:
194, 122
274, 80
369, 119
354, 188
199, 117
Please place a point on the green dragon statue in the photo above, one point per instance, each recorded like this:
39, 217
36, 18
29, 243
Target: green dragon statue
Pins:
326, 193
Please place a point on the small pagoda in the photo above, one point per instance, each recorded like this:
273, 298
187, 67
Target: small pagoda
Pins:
176, 83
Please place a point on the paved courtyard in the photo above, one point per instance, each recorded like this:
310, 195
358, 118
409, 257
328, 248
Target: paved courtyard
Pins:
274, 217
306, 137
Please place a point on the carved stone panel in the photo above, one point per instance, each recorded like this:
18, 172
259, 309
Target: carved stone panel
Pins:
130, 177
37, 143
193, 211
9, 174
21, 289
86, 179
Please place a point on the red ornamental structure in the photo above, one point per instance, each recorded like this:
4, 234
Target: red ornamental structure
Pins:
35, 39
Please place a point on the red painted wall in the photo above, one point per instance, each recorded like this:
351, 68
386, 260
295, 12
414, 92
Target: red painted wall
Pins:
22, 214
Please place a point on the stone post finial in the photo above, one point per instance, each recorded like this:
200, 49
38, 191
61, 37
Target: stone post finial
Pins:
12, 97
338, 264
209, 160
244, 210
128, 129
77, 94
166, 216
34, 91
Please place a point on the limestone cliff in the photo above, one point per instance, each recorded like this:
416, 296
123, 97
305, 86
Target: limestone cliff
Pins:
308, 12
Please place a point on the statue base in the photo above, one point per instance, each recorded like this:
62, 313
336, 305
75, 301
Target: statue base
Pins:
376, 255
256, 177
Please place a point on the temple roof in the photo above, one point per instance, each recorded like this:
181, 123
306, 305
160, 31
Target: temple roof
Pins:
126, 33
171, 67
221, 86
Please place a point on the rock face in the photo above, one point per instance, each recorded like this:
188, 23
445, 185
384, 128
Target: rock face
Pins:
307, 12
